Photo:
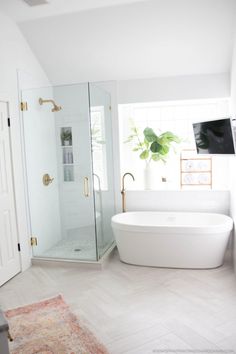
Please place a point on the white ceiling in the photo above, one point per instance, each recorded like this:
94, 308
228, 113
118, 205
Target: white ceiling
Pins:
19, 11
140, 40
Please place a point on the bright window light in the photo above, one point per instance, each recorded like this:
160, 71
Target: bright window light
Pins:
176, 117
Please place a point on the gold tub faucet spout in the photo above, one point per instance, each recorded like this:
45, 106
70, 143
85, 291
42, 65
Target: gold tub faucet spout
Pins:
123, 193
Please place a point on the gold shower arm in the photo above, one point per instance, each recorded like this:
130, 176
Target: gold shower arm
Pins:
41, 102
56, 108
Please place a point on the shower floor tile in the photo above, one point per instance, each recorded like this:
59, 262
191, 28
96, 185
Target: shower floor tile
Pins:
79, 244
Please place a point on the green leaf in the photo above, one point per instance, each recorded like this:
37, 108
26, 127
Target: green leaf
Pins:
146, 144
155, 147
149, 134
129, 139
170, 137
163, 140
144, 155
164, 150
135, 130
156, 157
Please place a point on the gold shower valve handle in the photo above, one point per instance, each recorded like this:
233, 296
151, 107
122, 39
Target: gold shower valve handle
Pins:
86, 187
47, 179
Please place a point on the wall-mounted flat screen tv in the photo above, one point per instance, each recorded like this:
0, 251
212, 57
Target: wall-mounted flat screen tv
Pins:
214, 137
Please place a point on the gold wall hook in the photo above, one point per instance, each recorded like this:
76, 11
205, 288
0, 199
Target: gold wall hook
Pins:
47, 179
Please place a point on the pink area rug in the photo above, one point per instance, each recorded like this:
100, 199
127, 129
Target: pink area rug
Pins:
48, 327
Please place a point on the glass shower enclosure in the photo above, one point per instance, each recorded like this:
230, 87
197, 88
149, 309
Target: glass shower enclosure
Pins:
69, 165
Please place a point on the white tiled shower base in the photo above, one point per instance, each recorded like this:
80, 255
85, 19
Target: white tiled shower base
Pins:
79, 244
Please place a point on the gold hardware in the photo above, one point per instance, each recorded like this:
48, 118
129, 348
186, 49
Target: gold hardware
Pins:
9, 336
34, 241
86, 187
123, 190
24, 106
55, 108
47, 179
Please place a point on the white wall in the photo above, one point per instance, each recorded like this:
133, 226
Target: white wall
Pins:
173, 88
16, 55
197, 201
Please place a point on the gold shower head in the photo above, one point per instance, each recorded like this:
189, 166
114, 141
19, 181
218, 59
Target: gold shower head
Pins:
55, 108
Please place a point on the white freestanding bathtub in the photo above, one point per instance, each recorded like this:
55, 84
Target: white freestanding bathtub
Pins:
172, 239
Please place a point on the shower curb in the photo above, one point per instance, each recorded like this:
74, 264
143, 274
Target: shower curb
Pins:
90, 265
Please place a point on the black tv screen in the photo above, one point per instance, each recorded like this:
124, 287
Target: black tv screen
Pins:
214, 137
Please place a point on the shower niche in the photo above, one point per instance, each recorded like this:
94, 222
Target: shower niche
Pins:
67, 154
73, 144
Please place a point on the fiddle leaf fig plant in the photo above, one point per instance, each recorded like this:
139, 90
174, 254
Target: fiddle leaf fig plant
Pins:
152, 146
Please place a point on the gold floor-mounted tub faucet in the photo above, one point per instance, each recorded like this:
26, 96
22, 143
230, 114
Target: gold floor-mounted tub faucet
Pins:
123, 190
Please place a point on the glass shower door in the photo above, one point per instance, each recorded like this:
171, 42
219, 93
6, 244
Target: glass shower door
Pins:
101, 134
59, 172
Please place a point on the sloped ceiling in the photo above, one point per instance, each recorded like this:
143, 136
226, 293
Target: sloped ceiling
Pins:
20, 11
140, 40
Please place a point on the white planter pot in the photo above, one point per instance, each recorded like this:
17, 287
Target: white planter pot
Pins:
148, 178
153, 177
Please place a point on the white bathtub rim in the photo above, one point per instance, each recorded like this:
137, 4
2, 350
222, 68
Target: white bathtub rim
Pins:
225, 226
173, 230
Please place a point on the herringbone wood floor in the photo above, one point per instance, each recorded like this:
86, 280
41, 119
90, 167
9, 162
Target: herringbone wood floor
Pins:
140, 310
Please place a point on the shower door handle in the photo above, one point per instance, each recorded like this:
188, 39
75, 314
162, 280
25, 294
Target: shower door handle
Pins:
86, 187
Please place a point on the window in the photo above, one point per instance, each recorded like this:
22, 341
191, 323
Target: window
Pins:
176, 117
99, 147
